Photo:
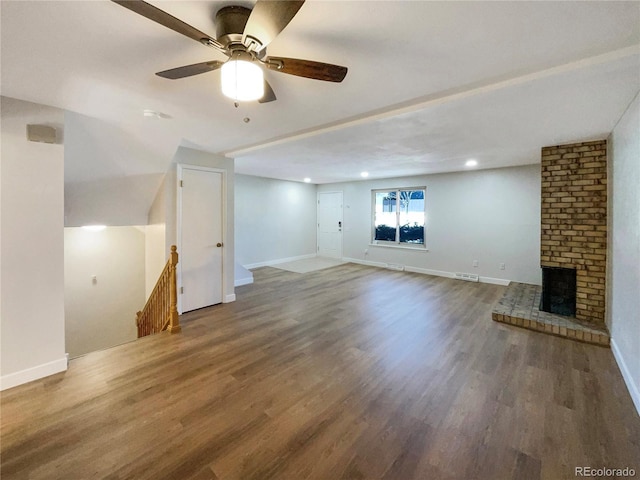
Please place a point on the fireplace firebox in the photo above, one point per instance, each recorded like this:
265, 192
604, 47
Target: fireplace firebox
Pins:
558, 291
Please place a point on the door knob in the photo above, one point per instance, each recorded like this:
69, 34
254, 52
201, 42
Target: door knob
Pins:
219, 244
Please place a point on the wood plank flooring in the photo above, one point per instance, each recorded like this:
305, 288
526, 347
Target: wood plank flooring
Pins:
347, 373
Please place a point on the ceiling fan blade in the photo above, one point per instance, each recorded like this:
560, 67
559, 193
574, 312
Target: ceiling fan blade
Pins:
269, 95
190, 70
307, 68
268, 18
163, 18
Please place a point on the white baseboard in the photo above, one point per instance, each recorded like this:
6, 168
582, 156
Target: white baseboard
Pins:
634, 390
364, 262
229, 298
278, 261
33, 373
427, 271
243, 281
496, 281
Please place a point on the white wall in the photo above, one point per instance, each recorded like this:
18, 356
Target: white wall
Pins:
492, 216
101, 314
274, 219
156, 248
111, 176
189, 156
158, 211
623, 312
170, 196
156, 255
32, 246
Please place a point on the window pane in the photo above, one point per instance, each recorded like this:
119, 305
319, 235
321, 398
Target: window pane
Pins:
385, 216
412, 216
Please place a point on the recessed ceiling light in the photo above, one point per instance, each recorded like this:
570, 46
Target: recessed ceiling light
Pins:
307, 180
94, 228
471, 163
364, 174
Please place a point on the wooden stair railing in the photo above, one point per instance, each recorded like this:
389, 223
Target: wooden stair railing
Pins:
161, 310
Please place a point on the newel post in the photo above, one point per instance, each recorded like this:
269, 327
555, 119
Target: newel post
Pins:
174, 323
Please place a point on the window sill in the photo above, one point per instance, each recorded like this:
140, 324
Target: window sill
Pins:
400, 247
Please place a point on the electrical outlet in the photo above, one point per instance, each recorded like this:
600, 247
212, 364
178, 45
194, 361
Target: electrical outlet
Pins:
475, 263
502, 266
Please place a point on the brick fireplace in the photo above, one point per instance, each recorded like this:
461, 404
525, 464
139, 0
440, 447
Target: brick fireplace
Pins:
574, 220
573, 246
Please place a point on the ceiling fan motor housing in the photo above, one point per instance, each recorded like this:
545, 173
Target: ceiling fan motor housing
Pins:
230, 23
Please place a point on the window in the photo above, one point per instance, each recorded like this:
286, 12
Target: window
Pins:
399, 216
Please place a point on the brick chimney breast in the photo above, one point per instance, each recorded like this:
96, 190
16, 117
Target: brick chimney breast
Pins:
574, 220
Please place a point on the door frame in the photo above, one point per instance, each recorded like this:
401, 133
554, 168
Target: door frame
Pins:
318, 221
223, 206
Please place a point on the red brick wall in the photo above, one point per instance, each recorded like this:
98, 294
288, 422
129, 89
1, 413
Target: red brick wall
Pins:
574, 220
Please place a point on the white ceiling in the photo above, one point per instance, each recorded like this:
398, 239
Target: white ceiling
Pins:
430, 84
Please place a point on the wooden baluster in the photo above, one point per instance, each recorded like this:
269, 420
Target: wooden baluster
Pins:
154, 320
138, 320
164, 309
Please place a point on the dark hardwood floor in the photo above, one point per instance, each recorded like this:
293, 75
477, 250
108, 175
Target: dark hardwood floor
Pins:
347, 373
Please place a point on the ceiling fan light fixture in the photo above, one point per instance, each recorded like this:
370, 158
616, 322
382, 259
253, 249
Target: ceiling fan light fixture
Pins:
242, 80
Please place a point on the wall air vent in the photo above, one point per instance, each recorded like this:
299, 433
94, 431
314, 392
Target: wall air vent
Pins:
41, 133
469, 277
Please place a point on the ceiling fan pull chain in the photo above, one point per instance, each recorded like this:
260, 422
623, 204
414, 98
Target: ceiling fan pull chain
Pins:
236, 102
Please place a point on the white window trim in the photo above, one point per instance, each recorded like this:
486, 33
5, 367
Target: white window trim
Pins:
419, 248
383, 243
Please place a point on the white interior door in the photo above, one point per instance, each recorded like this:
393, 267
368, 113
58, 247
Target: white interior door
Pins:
330, 224
201, 239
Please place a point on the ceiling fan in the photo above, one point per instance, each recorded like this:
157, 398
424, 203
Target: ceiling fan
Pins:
242, 35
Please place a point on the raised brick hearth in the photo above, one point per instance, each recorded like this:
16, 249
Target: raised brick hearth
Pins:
520, 307
574, 228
